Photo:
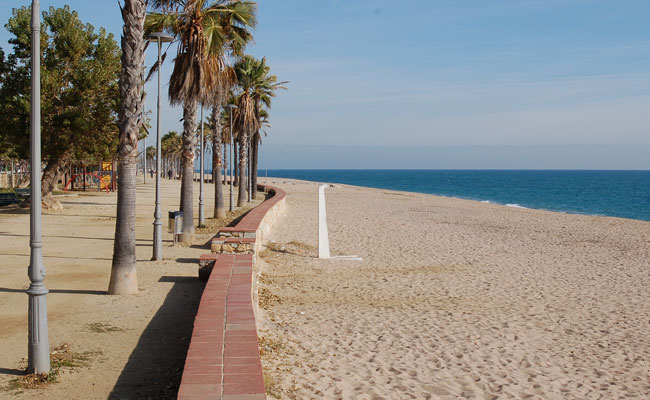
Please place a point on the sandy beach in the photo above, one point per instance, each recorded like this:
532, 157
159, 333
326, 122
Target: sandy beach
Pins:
453, 299
134, 346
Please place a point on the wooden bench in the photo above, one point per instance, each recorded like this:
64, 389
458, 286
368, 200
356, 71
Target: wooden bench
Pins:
8, 198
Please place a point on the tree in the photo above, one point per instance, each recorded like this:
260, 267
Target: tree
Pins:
150, 153
217, 161
170, 148
123, 271
79, 81
203, 30
257, 88
198, 76
256, 141
7, 150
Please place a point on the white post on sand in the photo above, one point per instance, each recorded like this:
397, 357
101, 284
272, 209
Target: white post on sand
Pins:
323, 239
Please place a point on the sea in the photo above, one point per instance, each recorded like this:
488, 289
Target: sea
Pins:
624, 194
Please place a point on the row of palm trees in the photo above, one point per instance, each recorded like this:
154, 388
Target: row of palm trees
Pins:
210, 70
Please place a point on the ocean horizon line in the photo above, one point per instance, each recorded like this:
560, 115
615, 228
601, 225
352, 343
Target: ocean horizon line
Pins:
613, 193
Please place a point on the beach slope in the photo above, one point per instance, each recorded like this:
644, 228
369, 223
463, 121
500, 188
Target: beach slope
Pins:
453, 299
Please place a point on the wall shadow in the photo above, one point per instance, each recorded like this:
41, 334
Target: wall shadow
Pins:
155, 366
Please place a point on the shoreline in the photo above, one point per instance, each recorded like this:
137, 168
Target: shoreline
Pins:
518, 200
481, 201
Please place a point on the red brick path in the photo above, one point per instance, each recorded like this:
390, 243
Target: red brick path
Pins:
223, 360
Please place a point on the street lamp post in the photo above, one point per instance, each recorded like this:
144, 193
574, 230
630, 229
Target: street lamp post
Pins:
232, 200
201, 214
159, 37
144, 168
38, 353
249, 181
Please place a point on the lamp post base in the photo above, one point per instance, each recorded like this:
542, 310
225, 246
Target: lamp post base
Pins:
157, 241
39, 347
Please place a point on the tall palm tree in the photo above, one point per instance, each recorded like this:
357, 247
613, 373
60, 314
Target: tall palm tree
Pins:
216, 123
257, 88
256, 141
237, 38
170, 148
150, 153
203, 28
123, 269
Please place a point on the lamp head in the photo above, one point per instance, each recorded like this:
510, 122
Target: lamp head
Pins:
160, 36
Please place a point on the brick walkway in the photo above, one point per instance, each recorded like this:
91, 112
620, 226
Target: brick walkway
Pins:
223, 360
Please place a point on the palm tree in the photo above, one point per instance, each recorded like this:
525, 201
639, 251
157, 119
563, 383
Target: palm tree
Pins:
216, 123
257, 88
150, 153
123, 269
256, 141
203, 30
170, 148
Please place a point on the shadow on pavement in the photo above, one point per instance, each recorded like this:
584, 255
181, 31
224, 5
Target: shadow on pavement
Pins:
155, 366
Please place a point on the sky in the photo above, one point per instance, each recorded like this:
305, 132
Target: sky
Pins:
533, 77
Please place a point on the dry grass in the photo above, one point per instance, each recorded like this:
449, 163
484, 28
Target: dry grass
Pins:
212, 225
268, 345
61, 357
294, 247
272, 386
99, 327
267, 299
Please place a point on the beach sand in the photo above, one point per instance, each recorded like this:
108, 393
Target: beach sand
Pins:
453, 299
135, 345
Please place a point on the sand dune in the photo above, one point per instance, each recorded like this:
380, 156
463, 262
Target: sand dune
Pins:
453, 299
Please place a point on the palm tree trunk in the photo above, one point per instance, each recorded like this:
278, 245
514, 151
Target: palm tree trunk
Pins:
225, 163
187, 183
219, 209
123, 268
241, 197
255, 150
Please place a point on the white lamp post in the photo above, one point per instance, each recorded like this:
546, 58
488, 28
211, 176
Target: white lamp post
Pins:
144, 168
202, 154
38, 353
159, 37
231, 107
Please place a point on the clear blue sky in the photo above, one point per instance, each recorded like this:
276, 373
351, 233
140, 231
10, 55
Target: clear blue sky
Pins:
444, 73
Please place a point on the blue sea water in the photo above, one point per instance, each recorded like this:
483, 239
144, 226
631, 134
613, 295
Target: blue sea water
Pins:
624, 194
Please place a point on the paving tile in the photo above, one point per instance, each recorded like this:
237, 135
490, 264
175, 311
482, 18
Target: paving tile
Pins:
201, 397
258, 396
241, 350
241, 334
207, 347
240, 327
201, 379
203, 370
242, 369
205, 361
217, 338
243, 384
197, 389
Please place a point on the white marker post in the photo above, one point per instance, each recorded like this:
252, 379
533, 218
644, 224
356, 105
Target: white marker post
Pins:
323, 239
